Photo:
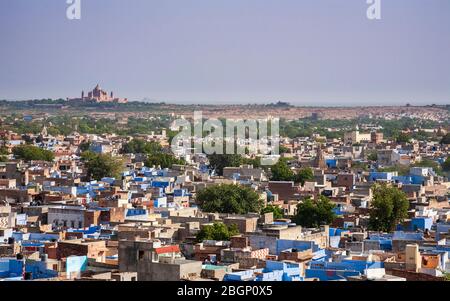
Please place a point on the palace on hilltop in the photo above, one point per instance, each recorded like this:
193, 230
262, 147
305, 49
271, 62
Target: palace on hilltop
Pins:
98, 95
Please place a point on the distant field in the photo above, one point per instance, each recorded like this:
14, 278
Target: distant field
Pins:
57, 107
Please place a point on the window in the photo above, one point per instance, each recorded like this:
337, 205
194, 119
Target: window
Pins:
80, 225
141, 255
73, 224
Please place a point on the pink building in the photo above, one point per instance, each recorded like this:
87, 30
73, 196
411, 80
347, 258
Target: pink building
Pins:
98, 95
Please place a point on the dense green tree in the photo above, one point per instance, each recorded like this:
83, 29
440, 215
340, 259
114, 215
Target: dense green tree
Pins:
446, 139
403, 138
334, 135
283, 150
30, 152
303, 175
427, 163
163, 160
360, 165
422, 135
65, 124
277, 211
170, 135
217, 231
154, 151
446, 165
3, 151
138, 146
226, 198
389, 207
99, 166
373, 156
87, 155
313, 214
84, 146
219, 161
281, 172
256, 162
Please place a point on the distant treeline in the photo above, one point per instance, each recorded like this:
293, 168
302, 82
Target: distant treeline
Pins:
27, 104
65, 125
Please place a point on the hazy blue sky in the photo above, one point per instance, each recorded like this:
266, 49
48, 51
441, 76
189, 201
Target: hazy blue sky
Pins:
305, 52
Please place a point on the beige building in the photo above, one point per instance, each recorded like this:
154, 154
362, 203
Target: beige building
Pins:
356, 137
99, 95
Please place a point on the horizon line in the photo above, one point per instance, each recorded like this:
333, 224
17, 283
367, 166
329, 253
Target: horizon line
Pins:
281, 103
